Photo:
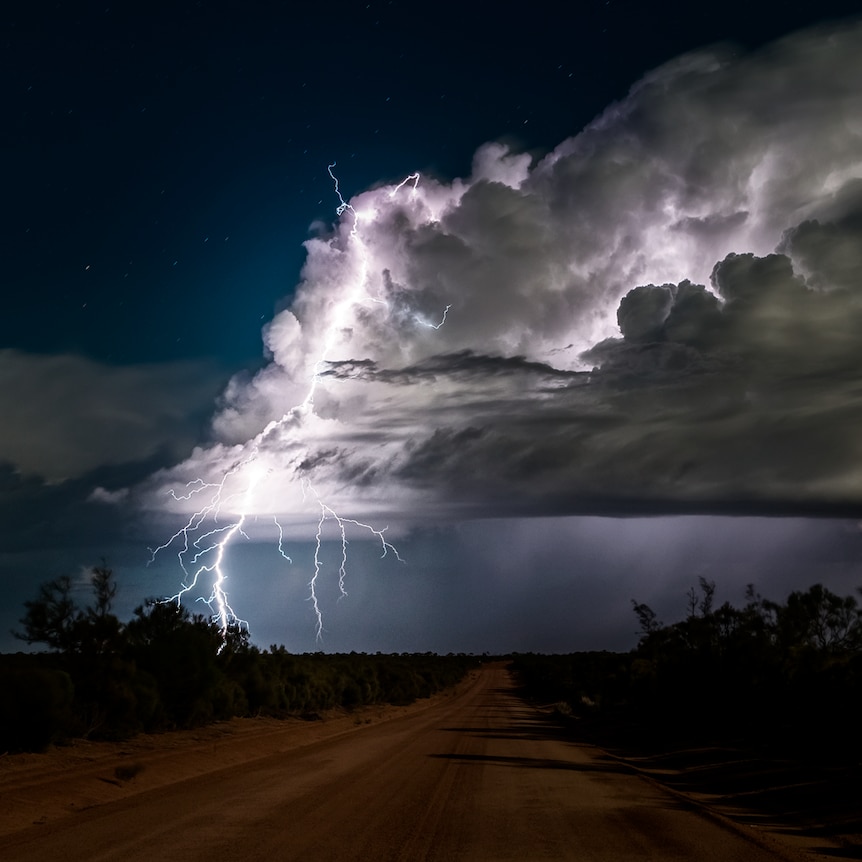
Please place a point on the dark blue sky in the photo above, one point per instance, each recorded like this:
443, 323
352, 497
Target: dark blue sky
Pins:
164, 164
164, 160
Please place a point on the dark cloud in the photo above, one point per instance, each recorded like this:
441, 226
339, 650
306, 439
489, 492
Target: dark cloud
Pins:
463, 365
659, 316
829, 253
74, 513
749, 399
76, 434
643, 311
65, 415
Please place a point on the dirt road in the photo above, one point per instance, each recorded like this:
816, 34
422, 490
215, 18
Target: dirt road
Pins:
479, 776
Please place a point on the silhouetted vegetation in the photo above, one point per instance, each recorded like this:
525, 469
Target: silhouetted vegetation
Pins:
166, 668
783, 675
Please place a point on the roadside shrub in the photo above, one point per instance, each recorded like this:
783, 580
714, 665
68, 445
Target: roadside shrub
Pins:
35, 708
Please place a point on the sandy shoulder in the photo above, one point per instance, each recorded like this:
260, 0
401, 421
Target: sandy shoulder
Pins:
40, 788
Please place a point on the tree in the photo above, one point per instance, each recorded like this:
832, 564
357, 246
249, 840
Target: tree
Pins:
180, 652
649, 622
53, 617
104, 590
821, 620
708, 590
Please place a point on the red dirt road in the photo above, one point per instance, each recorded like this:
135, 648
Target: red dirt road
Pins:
478, 776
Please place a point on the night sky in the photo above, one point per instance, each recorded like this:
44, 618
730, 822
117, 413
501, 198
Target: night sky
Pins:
607, 343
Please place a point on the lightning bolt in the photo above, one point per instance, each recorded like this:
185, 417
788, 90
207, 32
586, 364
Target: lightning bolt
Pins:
202, 542
426, 323
205, 553
326, 513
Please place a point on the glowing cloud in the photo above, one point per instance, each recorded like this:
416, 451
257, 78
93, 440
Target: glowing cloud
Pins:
539, 338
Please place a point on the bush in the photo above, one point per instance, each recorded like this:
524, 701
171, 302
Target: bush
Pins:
35, 708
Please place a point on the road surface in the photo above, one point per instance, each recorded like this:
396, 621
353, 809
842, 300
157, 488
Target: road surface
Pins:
479, 776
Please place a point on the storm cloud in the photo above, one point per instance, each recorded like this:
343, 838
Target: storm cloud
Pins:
659, 316
66, 415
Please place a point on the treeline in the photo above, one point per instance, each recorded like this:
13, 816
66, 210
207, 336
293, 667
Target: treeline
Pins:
166, 669
786, 674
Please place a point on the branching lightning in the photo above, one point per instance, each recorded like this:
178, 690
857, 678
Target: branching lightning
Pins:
205, 553
327, 513
203, 540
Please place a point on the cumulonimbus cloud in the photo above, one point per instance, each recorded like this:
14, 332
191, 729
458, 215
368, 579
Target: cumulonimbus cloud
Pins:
660, 315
